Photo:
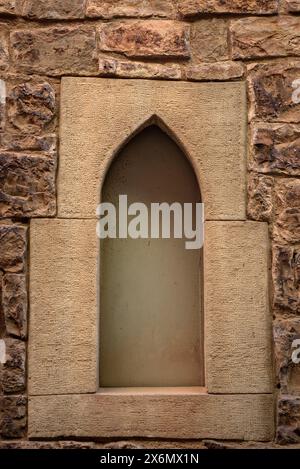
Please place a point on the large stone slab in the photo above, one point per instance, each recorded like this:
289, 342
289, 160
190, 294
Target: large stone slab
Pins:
152, 38
265, 37
248, 417
236, 304
63, 298
99, 115
36, 50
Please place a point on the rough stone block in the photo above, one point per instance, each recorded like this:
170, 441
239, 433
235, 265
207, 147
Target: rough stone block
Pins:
273, 92
293, 6
109, 67
12, 373
260, 197
2, 105
286, 278
150, 38
13, 420
9, 7
14, 304
275, 148
286, 331
4, 54
27, 185
31, 106
13, 246
129, 8
53, 9
2, 321
55, 50
287, 211
209, 40
265, 37
288, 430
29, 143
215, 71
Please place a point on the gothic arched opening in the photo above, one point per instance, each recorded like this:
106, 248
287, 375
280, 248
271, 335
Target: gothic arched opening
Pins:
150, 298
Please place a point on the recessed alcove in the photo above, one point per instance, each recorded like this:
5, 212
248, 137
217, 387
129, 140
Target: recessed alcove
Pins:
104, 124
151, 327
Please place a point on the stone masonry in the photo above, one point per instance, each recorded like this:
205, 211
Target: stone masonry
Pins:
194, 40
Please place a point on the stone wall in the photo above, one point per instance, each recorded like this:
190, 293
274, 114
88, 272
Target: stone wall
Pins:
197, 40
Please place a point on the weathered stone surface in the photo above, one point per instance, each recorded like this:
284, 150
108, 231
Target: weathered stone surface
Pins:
14, 304
293, 5
31, 143
55, 50
89, 138
287, 211
275, 148
288, 430
63, 309
37, 445
129, 8
27, 185
12, 247
13, 416
240, 417
273, 92
2, 321
31, 106
195, 7
234, 254
286, 278
287, 372
209, 40
123, 69
4, 54
2, 104
12, 373
215, 71
54, 9
8, 7
150, 38
260, 202
265, 37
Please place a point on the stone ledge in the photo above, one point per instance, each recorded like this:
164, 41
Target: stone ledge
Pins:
239, 417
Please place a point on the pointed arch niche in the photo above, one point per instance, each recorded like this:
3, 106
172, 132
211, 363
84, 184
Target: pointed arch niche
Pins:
159, 378
151, 326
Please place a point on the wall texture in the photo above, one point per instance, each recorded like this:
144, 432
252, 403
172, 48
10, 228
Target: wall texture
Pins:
199, 40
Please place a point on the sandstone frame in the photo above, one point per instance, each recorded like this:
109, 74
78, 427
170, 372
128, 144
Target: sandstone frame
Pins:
97, 117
